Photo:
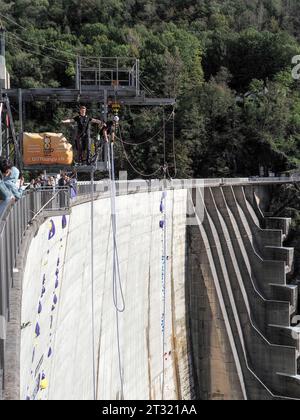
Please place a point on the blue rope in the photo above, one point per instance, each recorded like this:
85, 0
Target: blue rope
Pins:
163, 226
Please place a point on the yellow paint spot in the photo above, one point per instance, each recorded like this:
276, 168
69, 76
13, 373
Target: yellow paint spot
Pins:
44, 384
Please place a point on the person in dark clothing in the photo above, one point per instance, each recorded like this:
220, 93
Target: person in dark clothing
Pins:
83, 142
109, 129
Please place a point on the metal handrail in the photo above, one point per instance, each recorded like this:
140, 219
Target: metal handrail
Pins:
126, 187
106, 71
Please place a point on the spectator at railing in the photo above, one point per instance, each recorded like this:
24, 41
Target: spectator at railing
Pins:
73, 187
62, 181
32, 184
11, 176
38, 183
6, 196
66, 181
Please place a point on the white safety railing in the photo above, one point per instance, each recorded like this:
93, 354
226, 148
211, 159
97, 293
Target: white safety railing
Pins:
136, 186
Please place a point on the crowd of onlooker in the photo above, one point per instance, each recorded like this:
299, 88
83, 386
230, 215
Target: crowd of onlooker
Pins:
12, 183
61, 180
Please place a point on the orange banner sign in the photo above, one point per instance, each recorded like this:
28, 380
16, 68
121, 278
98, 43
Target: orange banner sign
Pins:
46, 149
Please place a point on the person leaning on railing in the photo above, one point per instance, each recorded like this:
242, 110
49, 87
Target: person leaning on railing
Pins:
11, 176
6, 196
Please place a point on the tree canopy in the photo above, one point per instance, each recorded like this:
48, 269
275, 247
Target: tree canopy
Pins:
228, 63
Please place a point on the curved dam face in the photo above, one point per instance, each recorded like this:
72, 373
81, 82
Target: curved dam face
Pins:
231, 301
57, 335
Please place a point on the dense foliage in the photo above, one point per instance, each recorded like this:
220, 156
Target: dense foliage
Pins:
228, 63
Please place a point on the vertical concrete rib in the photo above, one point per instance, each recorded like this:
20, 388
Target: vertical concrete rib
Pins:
258, 354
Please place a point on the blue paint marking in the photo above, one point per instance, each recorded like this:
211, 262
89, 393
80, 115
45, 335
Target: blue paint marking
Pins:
51, 231
64, 222
40, 308
43, 291
37, 330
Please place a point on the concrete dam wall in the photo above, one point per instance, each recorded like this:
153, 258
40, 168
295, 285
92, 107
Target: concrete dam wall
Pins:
230, 297
57, 301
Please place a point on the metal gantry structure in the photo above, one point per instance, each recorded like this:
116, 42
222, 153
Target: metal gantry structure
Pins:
9, 141
105, 81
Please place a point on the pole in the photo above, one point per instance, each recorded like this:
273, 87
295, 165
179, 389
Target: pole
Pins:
105, 115
7, 123
116, 272
92, 286
21, 129
1, 133
21, 110
2, 41
105, 105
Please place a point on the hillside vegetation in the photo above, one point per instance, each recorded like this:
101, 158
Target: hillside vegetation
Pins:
228, 63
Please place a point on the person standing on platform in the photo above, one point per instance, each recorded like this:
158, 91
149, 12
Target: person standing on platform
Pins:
83, 136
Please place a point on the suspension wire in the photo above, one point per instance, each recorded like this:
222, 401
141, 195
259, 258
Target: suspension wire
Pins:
44, 206
114, 224
24, 49
164, 137
132, 166
174, 148
32, 43
117, 276
12, 21
151, 138
92, 285
144, 142
146, 88
40, 45
116, 264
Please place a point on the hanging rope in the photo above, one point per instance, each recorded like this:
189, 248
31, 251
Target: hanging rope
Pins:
174, 147
150, 139
117, 284
92, 282
138, 172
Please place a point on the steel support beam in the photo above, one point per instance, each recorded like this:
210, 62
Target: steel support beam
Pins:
124, 96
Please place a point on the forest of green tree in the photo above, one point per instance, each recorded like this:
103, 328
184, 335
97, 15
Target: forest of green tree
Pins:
227, 62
